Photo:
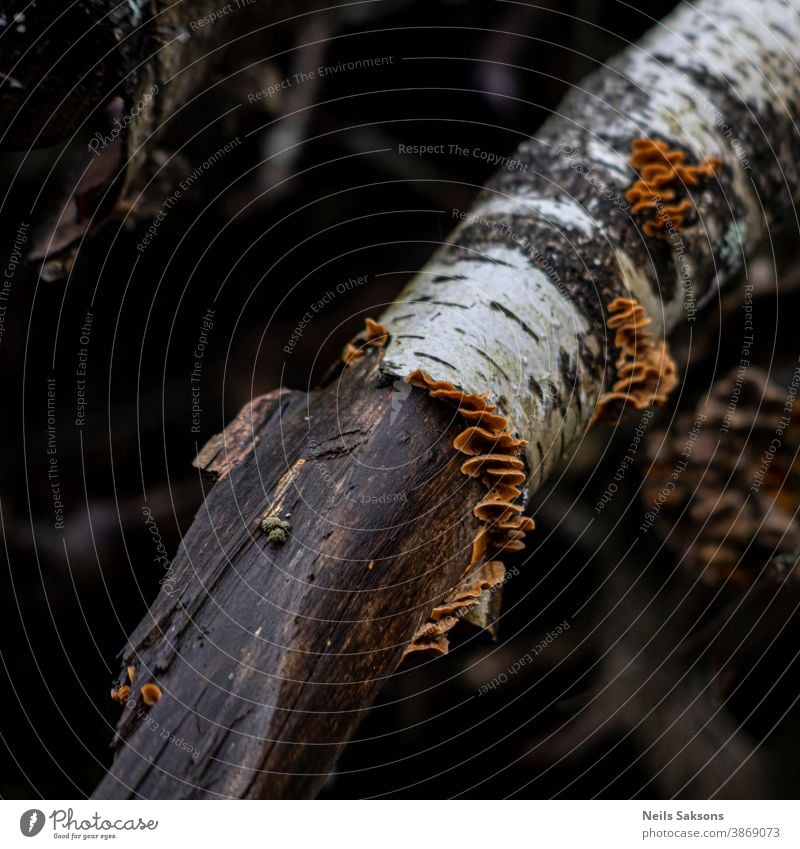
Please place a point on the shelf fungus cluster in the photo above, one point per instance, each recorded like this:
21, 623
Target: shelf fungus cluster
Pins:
493, 453
645, 371
660, 190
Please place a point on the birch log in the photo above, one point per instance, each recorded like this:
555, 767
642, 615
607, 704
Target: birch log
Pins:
269, 673
517, 302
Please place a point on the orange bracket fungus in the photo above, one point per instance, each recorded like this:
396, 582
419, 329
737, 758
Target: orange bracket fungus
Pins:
663, 177
351, 353
646, 373
493, 458
374, 334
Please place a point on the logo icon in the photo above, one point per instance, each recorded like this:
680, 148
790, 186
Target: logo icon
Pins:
400, 392
31, 822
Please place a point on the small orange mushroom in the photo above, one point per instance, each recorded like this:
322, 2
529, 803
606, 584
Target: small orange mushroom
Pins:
376, 334
431, 638
494, 464
475, 440
483, 418
120, 694
350, 354
151, 693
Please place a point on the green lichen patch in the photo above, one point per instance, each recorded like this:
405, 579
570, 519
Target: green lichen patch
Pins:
277, 530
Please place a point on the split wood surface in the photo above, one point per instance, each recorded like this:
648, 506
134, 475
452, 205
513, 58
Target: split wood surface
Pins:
268, 654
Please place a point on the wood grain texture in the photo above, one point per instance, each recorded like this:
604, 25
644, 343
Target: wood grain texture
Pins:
269, 654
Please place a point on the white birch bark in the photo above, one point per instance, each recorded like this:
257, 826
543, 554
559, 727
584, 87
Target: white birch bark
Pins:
516, 301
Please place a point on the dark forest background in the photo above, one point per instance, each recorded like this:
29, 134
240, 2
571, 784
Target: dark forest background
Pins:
345, 204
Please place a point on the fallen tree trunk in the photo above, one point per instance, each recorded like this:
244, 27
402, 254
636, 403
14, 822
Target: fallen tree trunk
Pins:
269, 652
571, 242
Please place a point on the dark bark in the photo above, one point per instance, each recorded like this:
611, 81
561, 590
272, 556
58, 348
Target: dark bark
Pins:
60, 64
268, 653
